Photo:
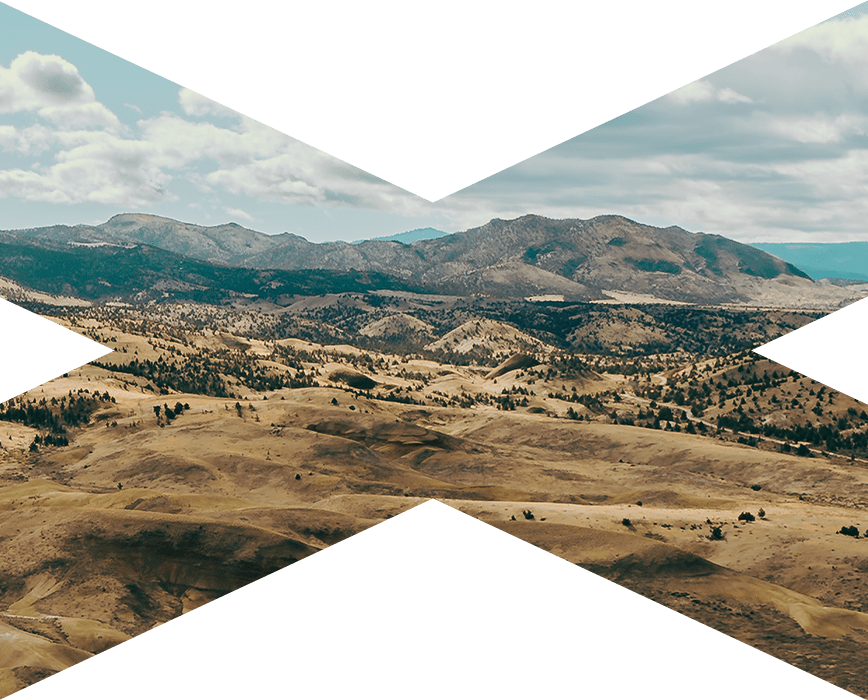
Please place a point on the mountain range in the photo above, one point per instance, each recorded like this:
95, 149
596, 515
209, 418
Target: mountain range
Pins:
573, 259
418, 234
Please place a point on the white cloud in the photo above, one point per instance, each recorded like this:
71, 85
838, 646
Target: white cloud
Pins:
699, 91
705, 91
52, 88
787, 166
790, 165
842, 40
34, 81
100, 168
819, 128
196, 105
90, 115
730, 96
8, 138
240, 214
97, 159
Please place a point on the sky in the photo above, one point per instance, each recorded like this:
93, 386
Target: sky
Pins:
771, 148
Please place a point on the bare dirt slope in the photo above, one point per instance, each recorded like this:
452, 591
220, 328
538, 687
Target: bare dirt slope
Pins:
147, 513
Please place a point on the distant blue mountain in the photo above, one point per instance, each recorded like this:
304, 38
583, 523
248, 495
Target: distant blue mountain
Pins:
838, 260
419, 234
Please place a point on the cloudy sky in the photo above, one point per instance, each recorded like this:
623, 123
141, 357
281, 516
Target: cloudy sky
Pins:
772, 148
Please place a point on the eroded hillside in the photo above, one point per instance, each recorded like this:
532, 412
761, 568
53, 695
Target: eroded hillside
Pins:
208, 451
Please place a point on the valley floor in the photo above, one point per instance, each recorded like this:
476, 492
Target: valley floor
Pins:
163, 500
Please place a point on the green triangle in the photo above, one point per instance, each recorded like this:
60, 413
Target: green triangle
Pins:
434, 97
35, 350
830, 350
432, 604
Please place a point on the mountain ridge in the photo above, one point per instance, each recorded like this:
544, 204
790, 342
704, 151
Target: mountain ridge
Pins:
528, 256
417, 234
